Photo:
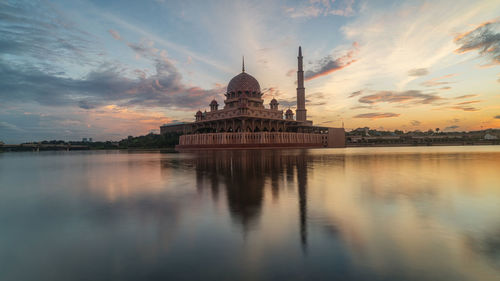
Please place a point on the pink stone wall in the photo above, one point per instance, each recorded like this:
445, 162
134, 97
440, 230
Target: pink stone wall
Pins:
250, 138
334, 138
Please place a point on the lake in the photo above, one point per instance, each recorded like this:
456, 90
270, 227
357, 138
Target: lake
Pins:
402, 213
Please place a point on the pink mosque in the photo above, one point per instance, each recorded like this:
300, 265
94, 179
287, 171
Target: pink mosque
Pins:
244, 121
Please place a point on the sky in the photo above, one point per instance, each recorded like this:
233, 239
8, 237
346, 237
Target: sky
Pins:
109, 69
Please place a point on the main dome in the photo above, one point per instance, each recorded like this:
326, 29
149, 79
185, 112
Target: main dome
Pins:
243, 82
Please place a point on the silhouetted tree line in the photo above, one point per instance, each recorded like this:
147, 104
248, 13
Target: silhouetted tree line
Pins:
151, 141
148, 141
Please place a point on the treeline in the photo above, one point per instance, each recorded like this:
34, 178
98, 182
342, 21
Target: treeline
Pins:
150, 141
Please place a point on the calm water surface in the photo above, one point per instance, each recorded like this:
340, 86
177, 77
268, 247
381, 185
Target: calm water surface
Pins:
420, 213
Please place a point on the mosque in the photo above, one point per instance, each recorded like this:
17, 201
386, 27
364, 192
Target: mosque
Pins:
244, 121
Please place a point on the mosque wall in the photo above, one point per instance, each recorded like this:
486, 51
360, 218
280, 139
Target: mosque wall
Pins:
245, 139
334, 138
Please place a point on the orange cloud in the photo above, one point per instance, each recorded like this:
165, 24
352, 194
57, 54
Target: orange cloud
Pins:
400, 97
464, 108
376, 115
468, 102
466, 96
437, 81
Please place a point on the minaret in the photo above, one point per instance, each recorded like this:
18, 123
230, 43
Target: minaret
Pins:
301, 99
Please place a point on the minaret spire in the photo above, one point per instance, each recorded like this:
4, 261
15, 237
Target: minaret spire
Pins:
243, 64
301, 99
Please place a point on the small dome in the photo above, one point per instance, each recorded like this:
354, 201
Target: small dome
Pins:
274, 101
289, 111
199, 113
213, 102
243, 82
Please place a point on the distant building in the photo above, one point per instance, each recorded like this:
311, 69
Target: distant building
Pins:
362, 131
178, 127
490, 137
244, 121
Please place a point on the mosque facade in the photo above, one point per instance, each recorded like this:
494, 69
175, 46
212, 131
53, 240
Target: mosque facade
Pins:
245, 122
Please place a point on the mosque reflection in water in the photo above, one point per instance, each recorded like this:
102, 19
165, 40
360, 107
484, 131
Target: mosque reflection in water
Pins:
244, 174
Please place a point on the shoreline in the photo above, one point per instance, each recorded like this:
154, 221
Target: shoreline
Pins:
20, 148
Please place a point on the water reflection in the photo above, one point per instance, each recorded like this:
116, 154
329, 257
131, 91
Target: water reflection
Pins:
245, 174
353, 214
384, 209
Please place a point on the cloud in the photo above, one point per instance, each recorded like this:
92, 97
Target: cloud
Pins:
418, 72
40, 43
7, 126
468, 102
290, 72
38, 33
451, 128
328, 64
464, 108
466, 96
317, 95
485, 38
445, 88
355, 94
497, 117
287, 103
415, 123
413, 96
103, 123
85, 104
437, 81
376, 115
162, 41
104, 86
364, 107
271, 92
386, 57
316, 99
115, 34
318, 103
316, 8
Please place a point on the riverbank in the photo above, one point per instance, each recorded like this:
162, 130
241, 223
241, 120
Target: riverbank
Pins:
422, 144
